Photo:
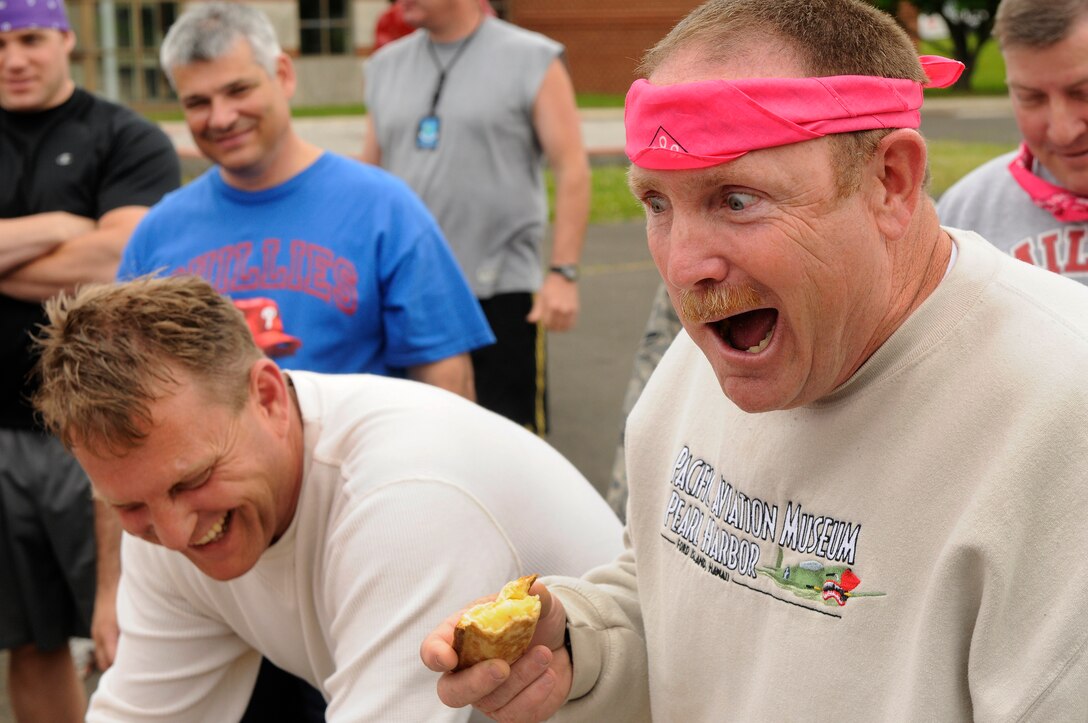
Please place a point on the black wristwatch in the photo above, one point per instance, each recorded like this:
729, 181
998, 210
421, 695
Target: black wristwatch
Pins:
567, 271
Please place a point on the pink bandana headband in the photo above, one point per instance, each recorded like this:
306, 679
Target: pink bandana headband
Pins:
1063, 205
703, 124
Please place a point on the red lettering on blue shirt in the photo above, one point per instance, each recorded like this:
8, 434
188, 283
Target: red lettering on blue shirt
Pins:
312, 269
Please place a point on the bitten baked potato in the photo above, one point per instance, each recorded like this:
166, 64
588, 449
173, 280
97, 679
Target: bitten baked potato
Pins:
501, 628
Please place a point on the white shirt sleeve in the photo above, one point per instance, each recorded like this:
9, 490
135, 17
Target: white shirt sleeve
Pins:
402, 558
174, 662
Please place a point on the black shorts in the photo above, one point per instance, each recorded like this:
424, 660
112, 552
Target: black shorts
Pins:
47, 544
511, 376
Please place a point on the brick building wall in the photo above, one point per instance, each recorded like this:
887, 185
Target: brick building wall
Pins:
604, 38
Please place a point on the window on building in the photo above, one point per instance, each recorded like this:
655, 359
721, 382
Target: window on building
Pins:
120, 59
324, 26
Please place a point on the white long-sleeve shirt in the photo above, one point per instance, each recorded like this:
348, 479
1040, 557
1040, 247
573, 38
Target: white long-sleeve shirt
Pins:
413, 502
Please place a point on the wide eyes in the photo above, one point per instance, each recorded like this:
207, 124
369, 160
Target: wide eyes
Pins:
737, 201
656, 204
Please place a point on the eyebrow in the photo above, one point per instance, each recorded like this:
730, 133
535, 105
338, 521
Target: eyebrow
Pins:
225, 88
637, 181
1075, 85
189, 478
640, 180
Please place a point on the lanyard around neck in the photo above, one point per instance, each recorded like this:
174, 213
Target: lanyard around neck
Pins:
443, 71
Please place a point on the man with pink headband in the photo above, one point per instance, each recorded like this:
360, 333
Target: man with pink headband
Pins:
846, 499
1033, 202
77, 173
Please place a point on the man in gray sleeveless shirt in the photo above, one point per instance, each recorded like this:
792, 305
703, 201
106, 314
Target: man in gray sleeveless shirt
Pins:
1033, 202
466, 110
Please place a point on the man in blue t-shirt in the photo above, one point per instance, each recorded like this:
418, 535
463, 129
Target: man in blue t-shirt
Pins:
351, 259
339, 265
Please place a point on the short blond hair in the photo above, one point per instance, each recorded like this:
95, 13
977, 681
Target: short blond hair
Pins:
828, 37
110, 350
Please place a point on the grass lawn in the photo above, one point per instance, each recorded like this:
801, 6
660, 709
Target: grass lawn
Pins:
989, 75
950, 160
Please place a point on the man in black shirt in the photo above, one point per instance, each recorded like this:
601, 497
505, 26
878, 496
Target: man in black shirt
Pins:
78, 175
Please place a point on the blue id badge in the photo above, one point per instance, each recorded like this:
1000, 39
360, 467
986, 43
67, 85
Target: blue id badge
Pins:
427, 133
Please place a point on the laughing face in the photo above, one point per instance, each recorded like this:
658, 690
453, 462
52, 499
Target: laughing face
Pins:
1049, 91
216, 484
774, 275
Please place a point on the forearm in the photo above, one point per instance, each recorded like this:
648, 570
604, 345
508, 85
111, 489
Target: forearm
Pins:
90, 257
609, 651
557, 304
104, 629
30, 237
93, 257
452, 373
572, 199
107, 534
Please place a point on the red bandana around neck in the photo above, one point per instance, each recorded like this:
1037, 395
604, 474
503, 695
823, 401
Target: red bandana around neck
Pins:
1063, 205
705, 123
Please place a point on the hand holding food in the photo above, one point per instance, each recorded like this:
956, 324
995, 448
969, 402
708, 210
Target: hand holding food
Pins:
501, 628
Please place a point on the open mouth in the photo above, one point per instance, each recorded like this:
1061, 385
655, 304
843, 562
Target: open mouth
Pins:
215, 532
750, 331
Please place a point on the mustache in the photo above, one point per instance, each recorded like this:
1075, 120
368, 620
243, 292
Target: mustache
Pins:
717, 302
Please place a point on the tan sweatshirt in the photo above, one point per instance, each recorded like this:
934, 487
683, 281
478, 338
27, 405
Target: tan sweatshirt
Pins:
912, 547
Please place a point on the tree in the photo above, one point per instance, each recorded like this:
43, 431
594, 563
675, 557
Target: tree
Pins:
970, 26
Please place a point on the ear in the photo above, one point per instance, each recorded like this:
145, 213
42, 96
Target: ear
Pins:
900, 168
285, 74
69, 41
268, 389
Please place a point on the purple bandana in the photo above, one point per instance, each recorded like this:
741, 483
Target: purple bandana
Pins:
23, 14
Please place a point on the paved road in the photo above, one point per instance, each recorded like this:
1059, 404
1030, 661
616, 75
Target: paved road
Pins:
589, 366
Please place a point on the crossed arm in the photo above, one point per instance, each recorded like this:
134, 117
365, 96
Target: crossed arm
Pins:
43, 254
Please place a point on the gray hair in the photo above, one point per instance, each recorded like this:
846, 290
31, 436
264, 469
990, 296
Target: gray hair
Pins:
209, 31
1036, 23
